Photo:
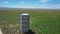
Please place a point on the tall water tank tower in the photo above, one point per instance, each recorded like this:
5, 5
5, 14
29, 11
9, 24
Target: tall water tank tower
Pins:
24, 22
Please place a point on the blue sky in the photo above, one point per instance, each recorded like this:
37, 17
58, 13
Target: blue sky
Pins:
50, 4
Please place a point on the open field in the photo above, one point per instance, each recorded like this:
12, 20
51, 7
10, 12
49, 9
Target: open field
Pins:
41, 21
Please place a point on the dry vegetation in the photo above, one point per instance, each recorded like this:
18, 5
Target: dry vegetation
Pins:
41, 21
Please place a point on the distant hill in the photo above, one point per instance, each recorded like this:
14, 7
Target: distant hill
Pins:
8, 8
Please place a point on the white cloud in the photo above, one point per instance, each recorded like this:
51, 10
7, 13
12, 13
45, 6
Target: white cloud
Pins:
57, 6
44, 1
43, 5
35, 4
22, 2
5, 2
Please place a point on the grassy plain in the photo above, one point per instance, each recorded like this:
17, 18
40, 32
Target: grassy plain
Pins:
41, 21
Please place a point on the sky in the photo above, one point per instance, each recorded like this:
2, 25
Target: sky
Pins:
49, 4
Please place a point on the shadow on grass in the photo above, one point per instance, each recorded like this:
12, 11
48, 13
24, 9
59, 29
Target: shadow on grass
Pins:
29, 32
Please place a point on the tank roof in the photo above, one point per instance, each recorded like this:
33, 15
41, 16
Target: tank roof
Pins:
24, 14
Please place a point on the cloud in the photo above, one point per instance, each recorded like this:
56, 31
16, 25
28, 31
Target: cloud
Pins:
38, 5
35, 4
56, 6
5, 2
31, 6
44, 1
22, 2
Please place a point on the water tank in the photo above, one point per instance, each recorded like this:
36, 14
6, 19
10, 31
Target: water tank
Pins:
24, 22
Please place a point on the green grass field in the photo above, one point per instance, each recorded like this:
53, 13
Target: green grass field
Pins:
41, 21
